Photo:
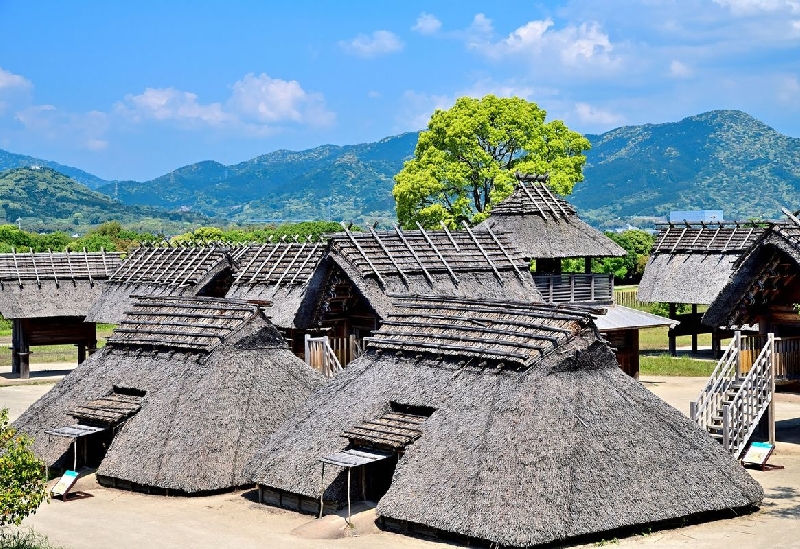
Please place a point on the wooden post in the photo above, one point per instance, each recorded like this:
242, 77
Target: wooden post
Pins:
24, 365
771, 411
348, 495
673, 345
81, 352
260, 494
364, 482
737, 335
322, 491
694, 334
726, 427
693, 410
75, 454
587, 265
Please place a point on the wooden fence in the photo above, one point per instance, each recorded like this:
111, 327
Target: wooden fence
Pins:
629, 298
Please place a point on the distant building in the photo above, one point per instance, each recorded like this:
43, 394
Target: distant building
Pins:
695, 216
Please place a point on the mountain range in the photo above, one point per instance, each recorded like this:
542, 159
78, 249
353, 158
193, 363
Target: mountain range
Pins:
724, 160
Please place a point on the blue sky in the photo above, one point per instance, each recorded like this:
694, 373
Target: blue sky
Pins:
132, 90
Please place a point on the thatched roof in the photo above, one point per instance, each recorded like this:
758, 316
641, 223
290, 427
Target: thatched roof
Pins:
769, 267
542, 225
691, 262
208, 400
386, 264
48, 284
517, 450
163, 271
281, 272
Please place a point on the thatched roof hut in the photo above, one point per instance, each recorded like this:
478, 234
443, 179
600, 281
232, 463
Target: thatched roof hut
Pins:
763, 285
691, 262
213, 379
364, 272
545, 226
164, 271
50, 284
281, 273
524, 431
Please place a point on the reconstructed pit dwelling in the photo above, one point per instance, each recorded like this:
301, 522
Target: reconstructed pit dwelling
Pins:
178, 401
501, 421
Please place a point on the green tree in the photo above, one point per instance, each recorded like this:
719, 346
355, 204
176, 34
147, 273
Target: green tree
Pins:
629, 267
465, 161
23, 477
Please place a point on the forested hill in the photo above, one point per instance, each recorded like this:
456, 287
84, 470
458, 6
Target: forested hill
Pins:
724, 160
9, 161
352, 182
41, 199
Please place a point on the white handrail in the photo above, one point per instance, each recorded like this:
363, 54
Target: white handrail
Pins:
723, 376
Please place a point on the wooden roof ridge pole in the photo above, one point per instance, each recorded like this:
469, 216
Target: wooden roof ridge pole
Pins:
35, 270
291, 263
305, 261
678, 241
105, 263
791, 216
167, 269
71, 272
154, 266
185, 281
533, 200
16, 266
256, 255
450, 236
361, 251
139, 261
414, 253
53, 264
277, 263
555, 199
544, 199
88, 267
438, 253
505, 252
473, 328
485, 255
389, 255
263, 263
453, 318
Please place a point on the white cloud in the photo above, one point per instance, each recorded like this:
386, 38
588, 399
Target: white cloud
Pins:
745, 7
788, 91
84, 130
427, 24
381, 42
589, 114
258, 104
416, 109
9, 80
373, 94
679, 69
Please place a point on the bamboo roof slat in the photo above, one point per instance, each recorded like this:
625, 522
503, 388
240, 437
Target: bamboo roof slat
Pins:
485, 255
366, 258
413, 254
449, 236
389, 255
438, 253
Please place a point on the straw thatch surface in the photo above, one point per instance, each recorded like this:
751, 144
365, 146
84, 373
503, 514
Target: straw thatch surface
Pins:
282, 273
769, 266
163, 271
204, 412
48, 284
545, 226
567, 446
384, 265
691, 263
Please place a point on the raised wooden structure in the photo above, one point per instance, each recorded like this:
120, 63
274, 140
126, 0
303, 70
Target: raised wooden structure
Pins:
47, 295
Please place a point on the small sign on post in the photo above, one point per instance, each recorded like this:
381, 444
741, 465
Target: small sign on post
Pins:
64, 484
757, 455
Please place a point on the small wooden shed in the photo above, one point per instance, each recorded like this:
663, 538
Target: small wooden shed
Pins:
164, 271
181, 396
690, 263
47, 295
504, 422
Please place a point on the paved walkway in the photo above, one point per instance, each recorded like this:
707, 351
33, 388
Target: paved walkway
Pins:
101, 517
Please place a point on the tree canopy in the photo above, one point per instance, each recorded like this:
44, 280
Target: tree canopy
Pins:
465, 161
23, 477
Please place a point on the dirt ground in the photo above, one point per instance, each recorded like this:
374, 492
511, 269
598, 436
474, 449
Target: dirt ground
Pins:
99, 517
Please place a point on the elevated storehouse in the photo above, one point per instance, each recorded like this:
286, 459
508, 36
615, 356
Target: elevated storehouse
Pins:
506, 422
164, 271
47, 296
689, 265
180, 398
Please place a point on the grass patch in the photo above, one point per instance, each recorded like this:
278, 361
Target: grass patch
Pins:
25, 539
665, 365
655, 339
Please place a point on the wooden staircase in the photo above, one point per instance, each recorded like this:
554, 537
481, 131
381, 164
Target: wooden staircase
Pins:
733, 402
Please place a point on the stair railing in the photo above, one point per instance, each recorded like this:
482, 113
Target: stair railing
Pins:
724, 375
740, 416
321, 357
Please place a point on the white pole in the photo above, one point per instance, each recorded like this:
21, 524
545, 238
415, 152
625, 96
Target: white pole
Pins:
348, 495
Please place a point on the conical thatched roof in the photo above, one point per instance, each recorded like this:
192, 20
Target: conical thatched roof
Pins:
217, 379
386, 264
767, 269
281, 273
48, 284
163, 271
542, 225
525, 444
691, 262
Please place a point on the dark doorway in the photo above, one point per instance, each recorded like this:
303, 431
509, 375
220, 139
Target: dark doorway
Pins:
377, 478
